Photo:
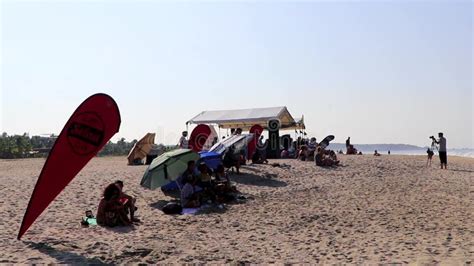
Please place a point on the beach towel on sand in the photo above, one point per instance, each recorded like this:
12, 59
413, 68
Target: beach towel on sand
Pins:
190, 211
86, 221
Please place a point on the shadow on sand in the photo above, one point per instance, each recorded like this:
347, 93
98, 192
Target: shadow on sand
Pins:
462, 170
258, 180
121, 229
161, 203
63, 257
332, 168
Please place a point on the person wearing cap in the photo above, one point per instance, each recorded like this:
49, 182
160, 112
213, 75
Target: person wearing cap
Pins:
183, 142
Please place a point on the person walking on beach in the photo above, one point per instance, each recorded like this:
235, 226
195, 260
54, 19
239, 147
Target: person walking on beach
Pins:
443, 156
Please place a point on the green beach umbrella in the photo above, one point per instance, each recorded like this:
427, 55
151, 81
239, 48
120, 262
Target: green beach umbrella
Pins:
167, 167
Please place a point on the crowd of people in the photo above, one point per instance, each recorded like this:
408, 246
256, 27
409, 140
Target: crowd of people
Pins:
197, 185
325, 157
310, 150
201, 185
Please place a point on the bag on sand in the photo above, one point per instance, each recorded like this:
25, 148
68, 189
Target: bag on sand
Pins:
172, 208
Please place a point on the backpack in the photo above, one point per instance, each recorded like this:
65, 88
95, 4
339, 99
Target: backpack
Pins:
172, 208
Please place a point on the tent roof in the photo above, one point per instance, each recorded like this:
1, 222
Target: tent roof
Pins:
246, 118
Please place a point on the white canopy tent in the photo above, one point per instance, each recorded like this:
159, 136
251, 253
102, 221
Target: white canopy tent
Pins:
246, 118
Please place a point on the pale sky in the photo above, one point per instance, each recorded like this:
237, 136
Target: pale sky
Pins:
380, 72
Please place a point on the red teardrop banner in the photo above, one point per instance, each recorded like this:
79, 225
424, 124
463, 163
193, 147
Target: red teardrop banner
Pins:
90, 127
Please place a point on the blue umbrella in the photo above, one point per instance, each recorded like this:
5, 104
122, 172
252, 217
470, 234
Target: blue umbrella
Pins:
211, 159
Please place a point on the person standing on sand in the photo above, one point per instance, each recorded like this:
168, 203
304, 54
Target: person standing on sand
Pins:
348, 142
443, 155
183, 142
214, 141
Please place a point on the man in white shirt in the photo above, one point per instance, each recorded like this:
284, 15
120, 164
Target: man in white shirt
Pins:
183, 142
443, 156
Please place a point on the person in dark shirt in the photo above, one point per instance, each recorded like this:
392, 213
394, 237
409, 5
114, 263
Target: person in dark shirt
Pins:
232, 158
111, 211
188, 173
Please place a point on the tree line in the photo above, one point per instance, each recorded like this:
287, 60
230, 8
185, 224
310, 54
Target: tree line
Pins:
24, 146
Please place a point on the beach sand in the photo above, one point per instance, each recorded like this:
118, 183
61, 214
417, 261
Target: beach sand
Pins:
388, 209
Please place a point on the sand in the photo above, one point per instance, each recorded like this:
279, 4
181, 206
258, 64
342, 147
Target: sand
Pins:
388, 209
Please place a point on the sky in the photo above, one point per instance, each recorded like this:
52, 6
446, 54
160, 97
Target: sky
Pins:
378, 71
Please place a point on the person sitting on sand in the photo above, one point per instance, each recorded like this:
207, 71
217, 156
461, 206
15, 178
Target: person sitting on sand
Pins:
319, 156
258, 157
322, 159
189, 194
331, 154
187, 173
111, 212
222, 185
204, 178
351, 149
376, 153
127, 201
221, 175
303, 153
204, 182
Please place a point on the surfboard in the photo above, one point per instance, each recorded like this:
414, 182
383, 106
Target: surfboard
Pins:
325, 142
257, 131
199, 137
86, 132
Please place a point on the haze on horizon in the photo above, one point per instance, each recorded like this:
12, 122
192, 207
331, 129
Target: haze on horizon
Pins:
380, 72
